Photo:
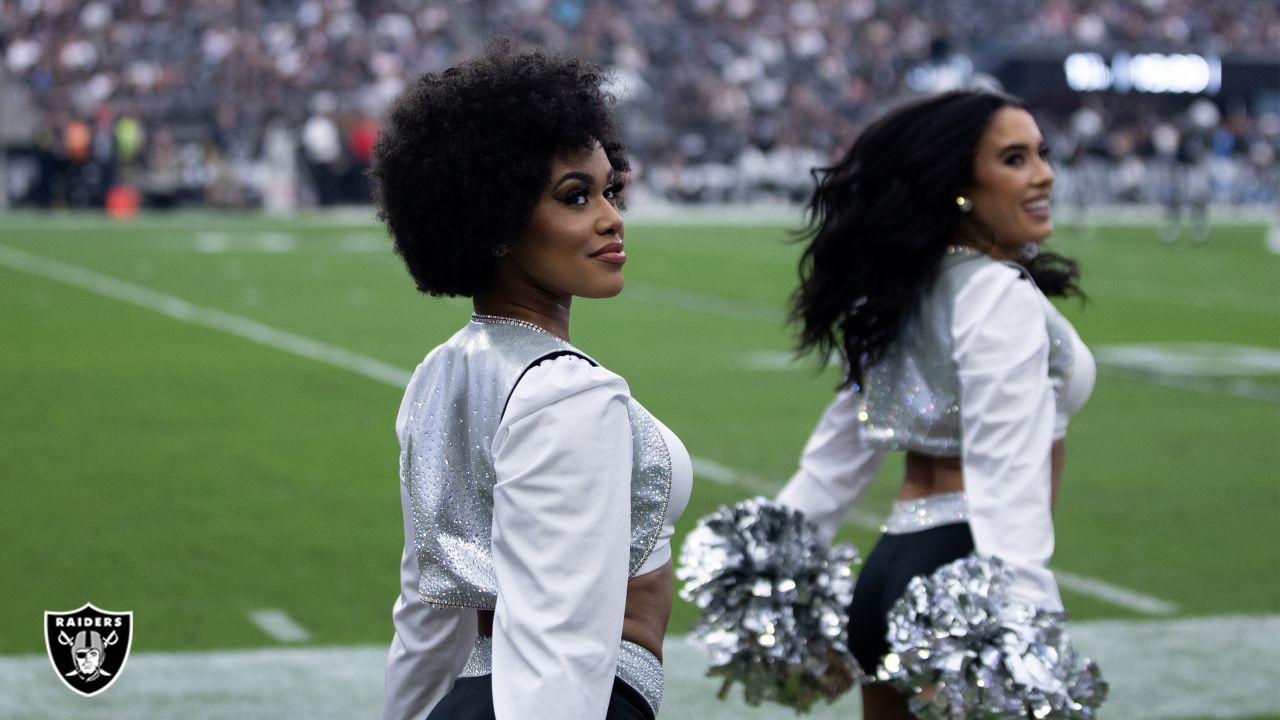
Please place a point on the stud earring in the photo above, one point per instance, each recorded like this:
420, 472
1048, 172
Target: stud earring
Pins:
500, 250
964, 203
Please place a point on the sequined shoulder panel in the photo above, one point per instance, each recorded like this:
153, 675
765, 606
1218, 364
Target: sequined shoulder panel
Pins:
446, 465
650, 484
1062, 360
457, 401
911, 398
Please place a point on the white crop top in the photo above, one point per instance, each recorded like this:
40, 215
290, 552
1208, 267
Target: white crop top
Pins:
577, 420
681, 489
561, 538
1009, 418
1077, 388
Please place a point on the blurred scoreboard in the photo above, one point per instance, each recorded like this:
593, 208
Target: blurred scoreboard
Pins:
1172, 78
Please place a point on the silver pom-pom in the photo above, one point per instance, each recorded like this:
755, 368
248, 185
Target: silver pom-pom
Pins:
960, 647
774, 603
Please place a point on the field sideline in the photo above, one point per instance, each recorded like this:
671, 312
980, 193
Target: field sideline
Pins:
195, 478
1156, 669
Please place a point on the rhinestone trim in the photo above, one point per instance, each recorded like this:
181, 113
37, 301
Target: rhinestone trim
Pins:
964, 250
642, 671
910, 516
502, 320
480, 662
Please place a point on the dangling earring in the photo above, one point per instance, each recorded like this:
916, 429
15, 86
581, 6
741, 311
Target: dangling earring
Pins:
964, 203
500, 250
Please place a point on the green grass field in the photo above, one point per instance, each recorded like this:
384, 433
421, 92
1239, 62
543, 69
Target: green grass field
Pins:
153, 463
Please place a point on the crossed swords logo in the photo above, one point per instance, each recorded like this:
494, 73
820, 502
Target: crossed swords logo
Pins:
88, 649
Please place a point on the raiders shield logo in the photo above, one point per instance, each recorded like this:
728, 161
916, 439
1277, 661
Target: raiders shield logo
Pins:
88, 647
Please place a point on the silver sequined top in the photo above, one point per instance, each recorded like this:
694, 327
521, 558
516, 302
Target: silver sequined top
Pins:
456, 401
911, 398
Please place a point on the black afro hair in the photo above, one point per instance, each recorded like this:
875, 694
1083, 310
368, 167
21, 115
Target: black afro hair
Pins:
464, 155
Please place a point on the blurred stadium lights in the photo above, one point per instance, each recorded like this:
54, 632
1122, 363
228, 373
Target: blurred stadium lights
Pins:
1059, 77
1145, 72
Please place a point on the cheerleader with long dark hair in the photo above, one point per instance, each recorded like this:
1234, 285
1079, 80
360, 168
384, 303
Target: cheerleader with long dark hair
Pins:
922, 273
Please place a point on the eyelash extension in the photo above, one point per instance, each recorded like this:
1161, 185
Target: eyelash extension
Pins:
619, 195
578, 196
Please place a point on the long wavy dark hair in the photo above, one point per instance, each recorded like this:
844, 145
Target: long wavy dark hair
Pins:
879, 223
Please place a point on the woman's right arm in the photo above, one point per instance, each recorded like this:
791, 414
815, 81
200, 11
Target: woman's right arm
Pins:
835, 467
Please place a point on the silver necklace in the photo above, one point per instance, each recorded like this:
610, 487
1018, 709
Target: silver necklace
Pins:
502, 320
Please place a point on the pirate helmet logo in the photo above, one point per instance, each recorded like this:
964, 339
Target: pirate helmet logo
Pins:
88, 647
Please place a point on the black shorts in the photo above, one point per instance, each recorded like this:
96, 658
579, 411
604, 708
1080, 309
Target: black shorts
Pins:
472, 699
884, 577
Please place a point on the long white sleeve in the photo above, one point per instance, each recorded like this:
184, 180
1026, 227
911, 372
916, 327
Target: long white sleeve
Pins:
835, 467
1007, 418
561, 541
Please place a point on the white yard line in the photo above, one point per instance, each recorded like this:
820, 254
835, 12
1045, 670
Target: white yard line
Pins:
1233, 387
723, 475
215, 242
1208, 379
179, 309
1114, 594
1090, 587
1221, 667
1201, 299
368, 367
278, 625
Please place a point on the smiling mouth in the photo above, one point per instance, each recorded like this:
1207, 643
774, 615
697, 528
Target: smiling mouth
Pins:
611, 253
1037, 206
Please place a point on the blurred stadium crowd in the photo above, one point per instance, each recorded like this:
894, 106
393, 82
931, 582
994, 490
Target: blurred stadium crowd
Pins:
275, 103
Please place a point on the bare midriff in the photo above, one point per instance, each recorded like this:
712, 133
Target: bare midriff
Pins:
649, 599
644, 622
927, 475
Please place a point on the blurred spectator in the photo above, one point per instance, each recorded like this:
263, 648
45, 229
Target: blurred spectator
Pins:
163, 178
1190, 181
362, 131
322, 148
278, 178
